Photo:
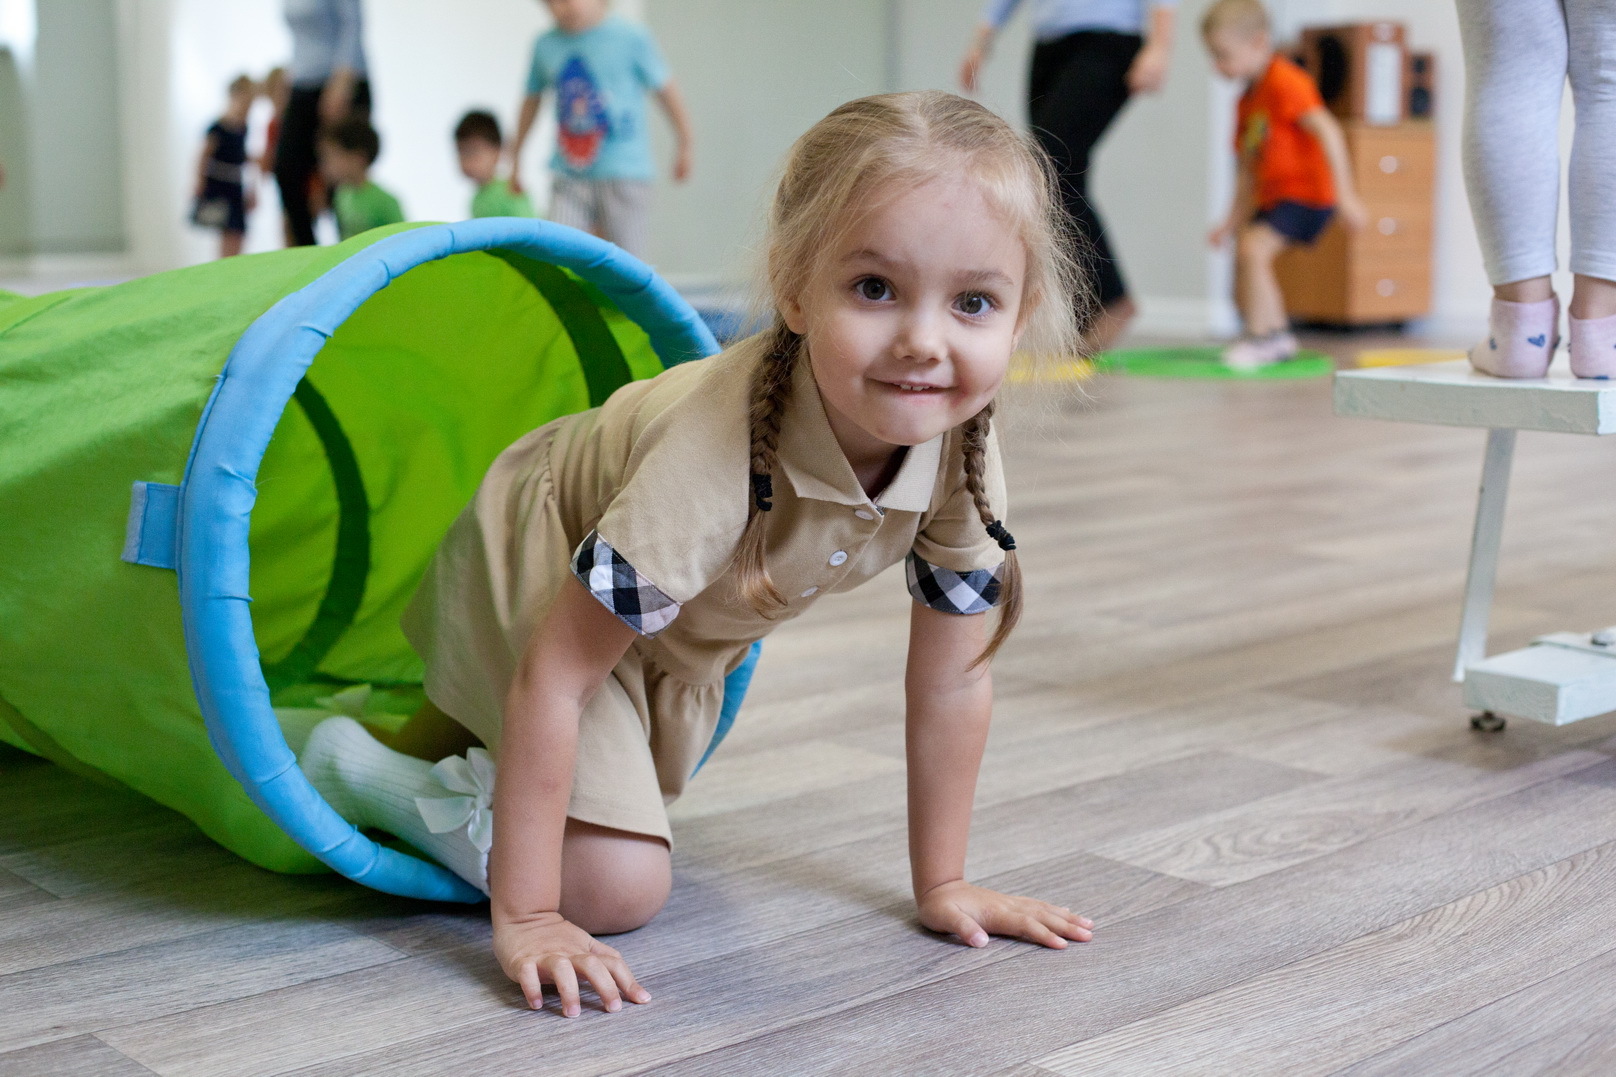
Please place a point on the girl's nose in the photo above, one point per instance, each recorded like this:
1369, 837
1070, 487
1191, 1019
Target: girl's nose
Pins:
920, 338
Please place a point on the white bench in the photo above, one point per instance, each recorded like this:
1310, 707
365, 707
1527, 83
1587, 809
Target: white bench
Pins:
1561, 677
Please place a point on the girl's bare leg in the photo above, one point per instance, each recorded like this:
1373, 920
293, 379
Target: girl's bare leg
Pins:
1593, 297
612, 880
1262, 304
231, 243
429, 734
1530, 290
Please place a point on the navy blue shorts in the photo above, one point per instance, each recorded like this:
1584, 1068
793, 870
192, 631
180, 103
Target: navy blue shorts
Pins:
1296, 221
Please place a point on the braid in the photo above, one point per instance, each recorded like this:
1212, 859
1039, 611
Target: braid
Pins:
974, 441
771, 387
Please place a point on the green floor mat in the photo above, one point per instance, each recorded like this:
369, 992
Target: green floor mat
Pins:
1206, 362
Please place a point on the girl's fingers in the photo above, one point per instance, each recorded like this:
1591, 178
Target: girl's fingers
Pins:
1068, 914
566, 983
1070, 927
1033, 930
969, 931
600, 978
626, 981
527, 977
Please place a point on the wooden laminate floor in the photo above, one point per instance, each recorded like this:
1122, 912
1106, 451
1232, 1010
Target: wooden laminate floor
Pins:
1224, 730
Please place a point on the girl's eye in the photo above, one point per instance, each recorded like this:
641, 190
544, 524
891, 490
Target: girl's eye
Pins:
975, 304
873, 288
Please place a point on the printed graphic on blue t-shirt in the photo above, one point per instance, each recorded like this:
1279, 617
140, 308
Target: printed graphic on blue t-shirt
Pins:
600, 77
581, 113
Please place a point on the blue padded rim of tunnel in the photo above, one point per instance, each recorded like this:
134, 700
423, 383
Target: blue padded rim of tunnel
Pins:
219, 489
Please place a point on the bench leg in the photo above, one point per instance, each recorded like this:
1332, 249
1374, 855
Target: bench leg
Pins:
1484, 541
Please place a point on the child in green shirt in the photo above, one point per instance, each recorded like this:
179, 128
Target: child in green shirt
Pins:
480, 146
347, 150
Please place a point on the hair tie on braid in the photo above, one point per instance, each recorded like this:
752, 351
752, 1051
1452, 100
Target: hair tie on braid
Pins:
762, 490
997, 532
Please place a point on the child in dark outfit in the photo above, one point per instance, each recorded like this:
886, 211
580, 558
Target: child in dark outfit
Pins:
1294, 174
223, 199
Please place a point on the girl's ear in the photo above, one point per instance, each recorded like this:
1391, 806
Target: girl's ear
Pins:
1029, 307
792, 314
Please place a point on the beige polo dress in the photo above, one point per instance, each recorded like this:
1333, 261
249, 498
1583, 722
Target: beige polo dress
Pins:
643, 500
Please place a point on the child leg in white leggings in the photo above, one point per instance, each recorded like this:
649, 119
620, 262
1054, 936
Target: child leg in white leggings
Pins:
1518, 54
443, 809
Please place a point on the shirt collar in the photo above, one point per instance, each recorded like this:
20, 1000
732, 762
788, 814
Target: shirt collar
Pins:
813, 460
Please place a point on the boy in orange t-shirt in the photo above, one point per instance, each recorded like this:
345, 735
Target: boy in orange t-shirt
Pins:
1293, 173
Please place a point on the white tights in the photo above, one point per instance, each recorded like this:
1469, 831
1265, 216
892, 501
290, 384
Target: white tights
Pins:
1518, 54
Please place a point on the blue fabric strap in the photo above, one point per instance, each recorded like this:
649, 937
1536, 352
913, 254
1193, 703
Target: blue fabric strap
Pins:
150, 537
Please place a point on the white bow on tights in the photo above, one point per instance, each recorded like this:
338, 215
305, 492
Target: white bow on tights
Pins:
473, 777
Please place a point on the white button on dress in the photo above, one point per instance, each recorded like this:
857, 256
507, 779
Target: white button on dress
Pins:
864, 514
838, 558
810, 592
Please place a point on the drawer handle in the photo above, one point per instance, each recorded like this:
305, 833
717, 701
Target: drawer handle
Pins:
1388, 226
1385, 287
1389, 164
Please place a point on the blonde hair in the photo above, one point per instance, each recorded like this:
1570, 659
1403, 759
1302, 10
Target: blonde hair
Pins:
884, 146
1245, 17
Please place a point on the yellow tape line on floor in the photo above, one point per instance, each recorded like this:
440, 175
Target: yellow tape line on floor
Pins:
1407, 356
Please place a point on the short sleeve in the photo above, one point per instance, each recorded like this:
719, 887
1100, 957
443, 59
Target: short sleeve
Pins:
996, 13
618, 585
1297, 95
955, 566
649, 66
538, 79
670, 527
347, 49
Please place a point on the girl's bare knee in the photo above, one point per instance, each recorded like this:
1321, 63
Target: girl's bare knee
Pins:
1258, 245
612, 880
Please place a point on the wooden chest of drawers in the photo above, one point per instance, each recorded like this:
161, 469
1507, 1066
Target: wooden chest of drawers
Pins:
1382, 273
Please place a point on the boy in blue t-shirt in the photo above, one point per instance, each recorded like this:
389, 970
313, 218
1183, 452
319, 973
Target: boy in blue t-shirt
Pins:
601, 68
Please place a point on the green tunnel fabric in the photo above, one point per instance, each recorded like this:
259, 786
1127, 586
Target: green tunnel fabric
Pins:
102, 387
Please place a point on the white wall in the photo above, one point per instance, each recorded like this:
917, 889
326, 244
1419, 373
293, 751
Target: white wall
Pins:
756, 74
59, 134
1156, 175
429, 63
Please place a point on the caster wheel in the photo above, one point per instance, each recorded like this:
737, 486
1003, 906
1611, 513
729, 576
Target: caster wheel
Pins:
1486, 722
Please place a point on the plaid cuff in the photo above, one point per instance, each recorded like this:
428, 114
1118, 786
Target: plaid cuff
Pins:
950, 591
635, 600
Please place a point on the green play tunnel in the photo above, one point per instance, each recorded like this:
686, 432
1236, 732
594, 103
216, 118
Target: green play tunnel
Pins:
219, 487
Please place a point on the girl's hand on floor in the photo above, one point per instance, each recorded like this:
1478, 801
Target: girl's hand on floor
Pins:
974, 912
549, 949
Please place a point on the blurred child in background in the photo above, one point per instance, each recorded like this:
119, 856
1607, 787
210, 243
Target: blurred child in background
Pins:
601, 69
347, 150
1293, 173
278, 89
223, 198
480, 146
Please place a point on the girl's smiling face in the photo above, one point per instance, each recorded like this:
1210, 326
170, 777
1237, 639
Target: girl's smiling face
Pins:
911, 318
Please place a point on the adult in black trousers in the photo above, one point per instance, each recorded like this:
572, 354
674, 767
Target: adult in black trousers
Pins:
1090, 57
329, 83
